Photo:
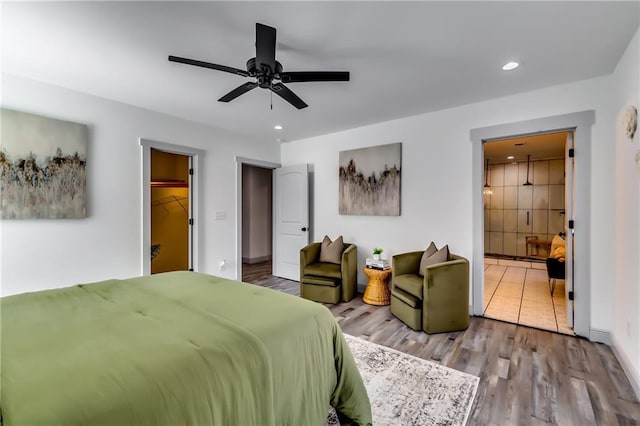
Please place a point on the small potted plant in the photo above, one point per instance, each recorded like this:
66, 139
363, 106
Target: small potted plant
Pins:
377, 252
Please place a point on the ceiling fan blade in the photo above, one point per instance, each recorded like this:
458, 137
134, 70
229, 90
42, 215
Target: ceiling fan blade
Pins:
265, 47
240, 90
286, 94
302, 76
208, 65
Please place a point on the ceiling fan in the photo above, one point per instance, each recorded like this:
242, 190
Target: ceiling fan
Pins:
266, 70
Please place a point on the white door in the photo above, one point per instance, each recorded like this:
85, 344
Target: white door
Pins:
291, 219
568, 203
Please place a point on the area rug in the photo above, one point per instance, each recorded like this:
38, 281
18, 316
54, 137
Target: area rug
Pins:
406, 390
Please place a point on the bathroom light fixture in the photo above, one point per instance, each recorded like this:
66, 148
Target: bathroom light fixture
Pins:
510, 157
486, 175
510, 66
527, 183
277, 127
486, 180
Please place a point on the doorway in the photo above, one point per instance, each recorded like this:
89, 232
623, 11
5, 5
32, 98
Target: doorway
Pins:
579, 126
524, 217
170, 212
257, 222
290, 226
262, 265
170, 204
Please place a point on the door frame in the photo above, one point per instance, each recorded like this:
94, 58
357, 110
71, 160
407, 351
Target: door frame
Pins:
580, 123
240, 161
195, 192
569, 196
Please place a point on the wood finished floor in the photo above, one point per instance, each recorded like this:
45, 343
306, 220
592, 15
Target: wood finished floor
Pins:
527, 376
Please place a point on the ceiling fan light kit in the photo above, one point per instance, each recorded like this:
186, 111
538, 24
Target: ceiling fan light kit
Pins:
265, 69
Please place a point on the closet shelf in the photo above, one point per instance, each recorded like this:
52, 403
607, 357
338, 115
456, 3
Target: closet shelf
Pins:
169, 184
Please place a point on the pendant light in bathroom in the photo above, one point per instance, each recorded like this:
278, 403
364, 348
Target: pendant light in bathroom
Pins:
527, 183
486, 180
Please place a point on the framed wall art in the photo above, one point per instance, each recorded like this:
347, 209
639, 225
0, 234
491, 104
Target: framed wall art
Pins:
42, 167
369, 180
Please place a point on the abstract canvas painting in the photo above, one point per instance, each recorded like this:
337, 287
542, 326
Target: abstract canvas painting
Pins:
370, 181
42, 167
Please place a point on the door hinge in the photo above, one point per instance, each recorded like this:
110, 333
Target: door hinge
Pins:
190, 221
191, 172
572, 152
570, 295
571, 224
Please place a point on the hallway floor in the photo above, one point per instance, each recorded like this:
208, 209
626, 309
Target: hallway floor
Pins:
518, 292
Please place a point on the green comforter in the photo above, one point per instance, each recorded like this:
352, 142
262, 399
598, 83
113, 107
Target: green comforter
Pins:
173, 349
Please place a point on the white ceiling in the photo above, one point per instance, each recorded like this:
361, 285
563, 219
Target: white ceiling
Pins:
539, 147
405, 58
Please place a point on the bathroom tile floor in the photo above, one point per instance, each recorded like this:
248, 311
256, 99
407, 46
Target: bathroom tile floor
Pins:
518, 292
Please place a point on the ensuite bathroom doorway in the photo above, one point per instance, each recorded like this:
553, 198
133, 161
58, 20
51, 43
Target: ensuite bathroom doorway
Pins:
527, 197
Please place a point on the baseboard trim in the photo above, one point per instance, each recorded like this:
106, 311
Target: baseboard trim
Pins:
600, 336
252, 260
629, 371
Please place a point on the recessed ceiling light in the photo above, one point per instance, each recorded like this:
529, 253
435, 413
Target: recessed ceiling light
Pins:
510, 66
510, 157
277, 127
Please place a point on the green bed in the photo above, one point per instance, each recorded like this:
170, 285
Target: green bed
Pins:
179, 348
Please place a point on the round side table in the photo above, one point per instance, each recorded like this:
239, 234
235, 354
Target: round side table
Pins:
377, 292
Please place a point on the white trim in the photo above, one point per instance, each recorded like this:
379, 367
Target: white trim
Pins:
627, 367
600, 336
580, 123
196, 161
259, 259
239, 162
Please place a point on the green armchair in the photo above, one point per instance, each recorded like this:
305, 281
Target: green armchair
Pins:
435, 303
328, 282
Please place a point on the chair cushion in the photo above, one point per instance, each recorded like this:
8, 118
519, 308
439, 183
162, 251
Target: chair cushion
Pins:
313, 280
331, 252
556, 242
558, 248
407, 298
322, 269
430, 251
441, 255
411, 283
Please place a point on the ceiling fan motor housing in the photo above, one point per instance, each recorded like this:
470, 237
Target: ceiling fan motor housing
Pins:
266, 75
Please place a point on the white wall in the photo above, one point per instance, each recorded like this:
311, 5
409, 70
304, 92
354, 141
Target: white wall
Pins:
437, 181
39, 254
626, 321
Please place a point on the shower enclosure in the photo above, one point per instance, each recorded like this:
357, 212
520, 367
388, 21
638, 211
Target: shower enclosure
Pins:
516, 211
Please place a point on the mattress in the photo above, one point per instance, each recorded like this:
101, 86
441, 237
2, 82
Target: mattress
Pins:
174, 348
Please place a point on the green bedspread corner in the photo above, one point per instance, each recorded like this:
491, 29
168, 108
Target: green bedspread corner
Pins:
173, 348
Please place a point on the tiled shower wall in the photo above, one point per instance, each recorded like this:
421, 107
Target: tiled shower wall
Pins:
507, 206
